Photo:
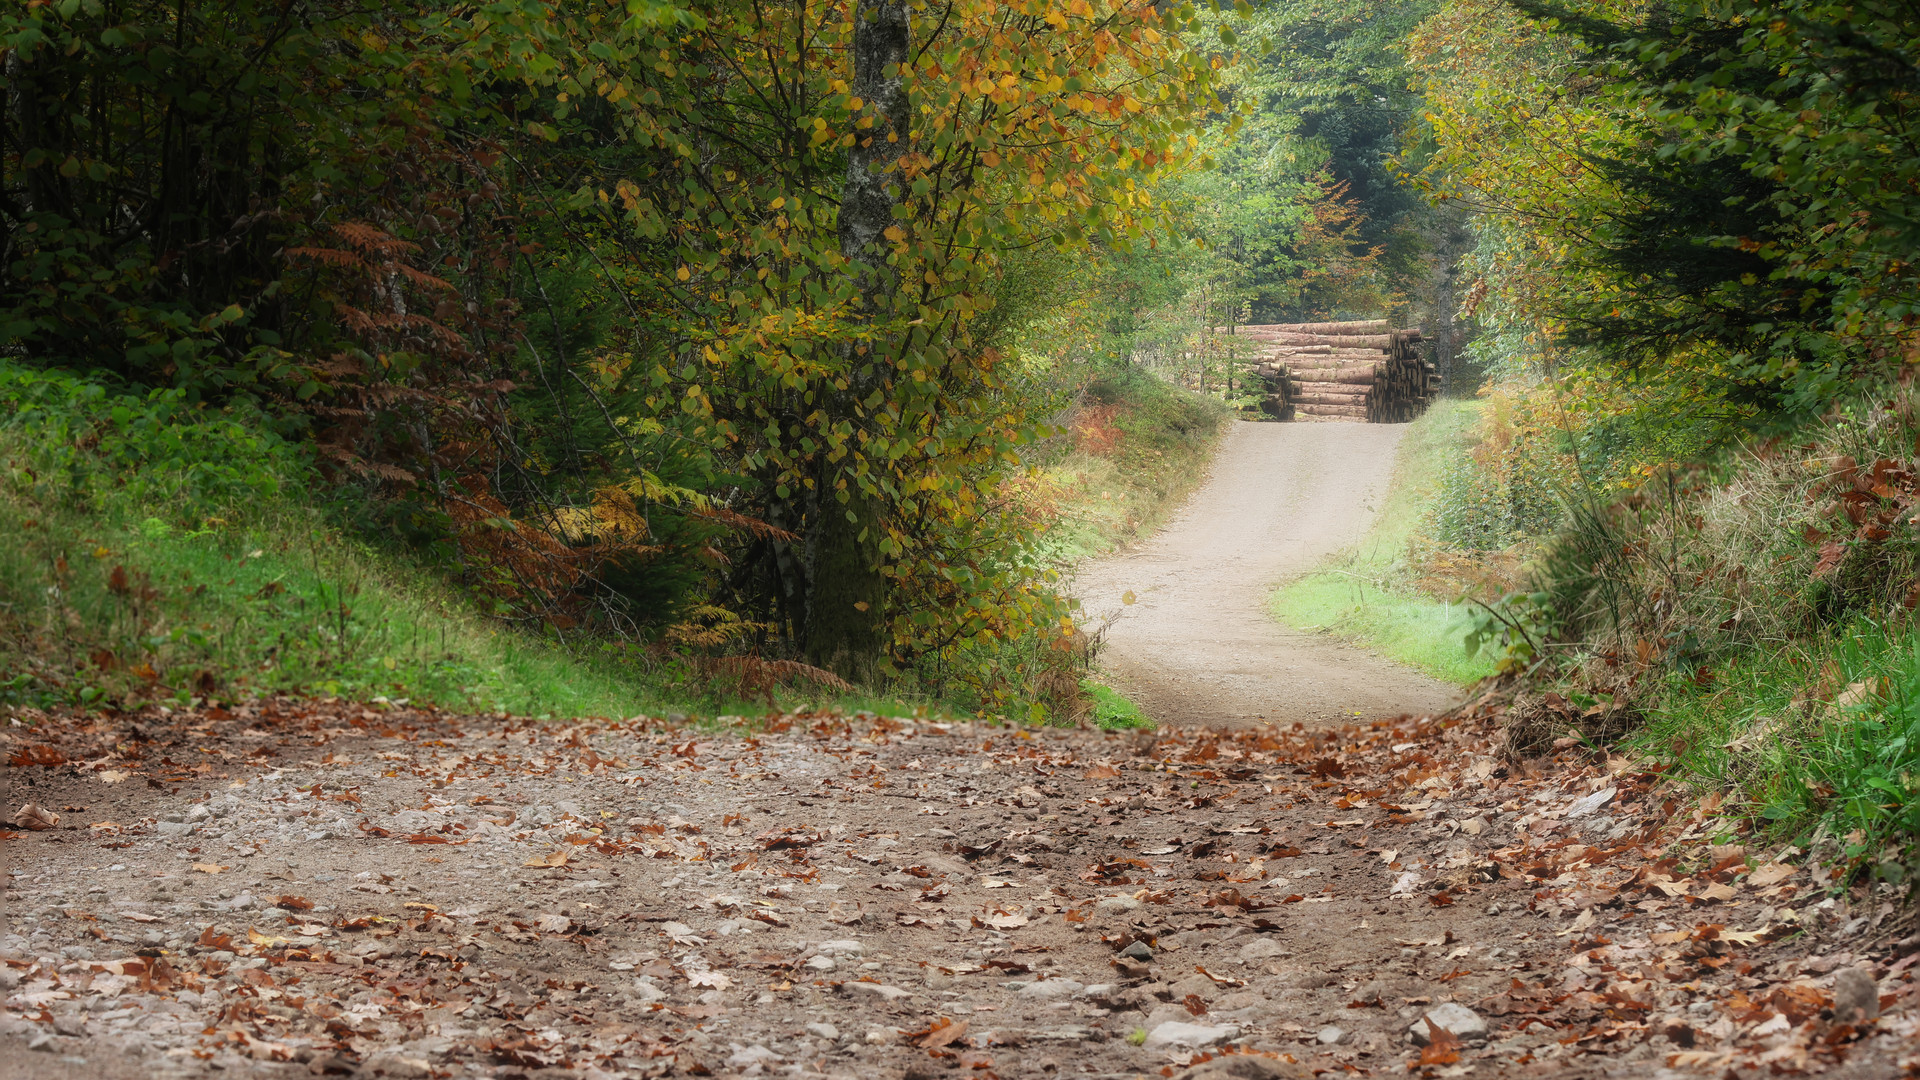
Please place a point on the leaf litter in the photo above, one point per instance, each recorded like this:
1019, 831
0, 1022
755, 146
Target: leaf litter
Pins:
828, 895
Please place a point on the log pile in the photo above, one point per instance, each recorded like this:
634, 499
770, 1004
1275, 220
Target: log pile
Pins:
1364, 371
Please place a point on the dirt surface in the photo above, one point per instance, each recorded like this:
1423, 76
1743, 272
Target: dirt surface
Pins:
294, 889
1199, 645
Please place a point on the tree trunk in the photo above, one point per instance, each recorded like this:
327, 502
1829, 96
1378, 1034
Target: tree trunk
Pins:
846, 608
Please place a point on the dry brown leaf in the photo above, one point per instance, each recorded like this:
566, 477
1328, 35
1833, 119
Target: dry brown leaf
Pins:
945, 1034
1443, 1046
210, 868
35, 818
709, 978
552, 924
549, 860
294, 903
1771, 874
1007, 920
1102, 772
139, 916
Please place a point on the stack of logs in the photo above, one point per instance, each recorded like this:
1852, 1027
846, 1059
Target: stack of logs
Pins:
1342, 371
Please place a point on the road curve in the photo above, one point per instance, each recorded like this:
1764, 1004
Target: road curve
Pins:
1198, 646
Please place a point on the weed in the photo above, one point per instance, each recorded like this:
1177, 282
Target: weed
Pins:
1112, 710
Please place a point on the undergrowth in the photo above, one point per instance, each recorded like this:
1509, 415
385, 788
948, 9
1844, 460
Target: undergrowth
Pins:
1136, 446
163, 552
1746, 625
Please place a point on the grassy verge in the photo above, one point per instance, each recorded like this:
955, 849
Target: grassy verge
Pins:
161, 552
1821, 739
1370, 594
1137, 446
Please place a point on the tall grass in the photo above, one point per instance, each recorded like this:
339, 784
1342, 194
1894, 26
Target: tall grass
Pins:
1756, 616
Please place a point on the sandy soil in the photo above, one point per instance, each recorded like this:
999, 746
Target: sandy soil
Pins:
1199, 646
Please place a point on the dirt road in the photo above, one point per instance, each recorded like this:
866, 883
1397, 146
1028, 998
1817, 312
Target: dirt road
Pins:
288, 889
1199, 645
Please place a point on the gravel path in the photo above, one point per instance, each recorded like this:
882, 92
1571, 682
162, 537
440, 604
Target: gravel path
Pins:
289, 889
1199, 646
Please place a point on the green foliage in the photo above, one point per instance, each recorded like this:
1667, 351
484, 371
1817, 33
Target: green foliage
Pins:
1769, 730
165, 551
1112, 710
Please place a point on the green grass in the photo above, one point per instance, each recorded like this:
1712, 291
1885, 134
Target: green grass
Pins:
160, 552
1770, 728
1112, 710
1366, 594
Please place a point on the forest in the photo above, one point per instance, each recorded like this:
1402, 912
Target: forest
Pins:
725, 350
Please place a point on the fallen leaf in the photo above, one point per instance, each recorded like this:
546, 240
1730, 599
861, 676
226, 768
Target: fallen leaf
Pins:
992, 883
845, 914
1771, 874
1102, 772
552, 924
139, 916
112, 776
944, 1033
709, 978
1007, 920
34, 818
210, 868
1443, 1046
549, 860
681, 934
294, 903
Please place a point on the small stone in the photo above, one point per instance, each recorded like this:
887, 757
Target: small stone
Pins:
879, 990
645, 993
1116, 905
394, 1065
1138, 951
1175, 1013
1330, 1036
70, 1024
820, 1029
1261, 948
1856, 998
748, 1056
1051, 989
43, 1042
821, 963
1193, 1036
880, 1036
843, 947
1454, 1018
